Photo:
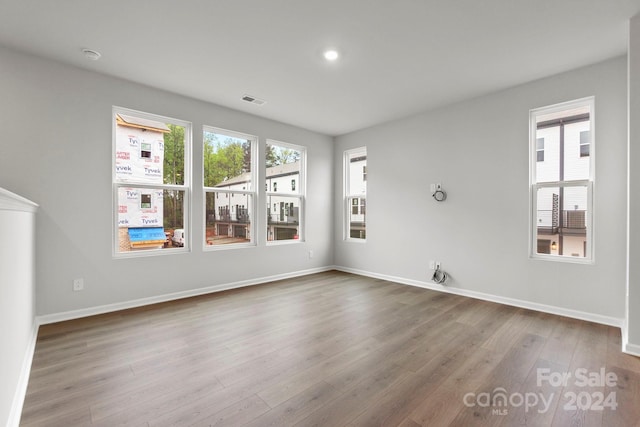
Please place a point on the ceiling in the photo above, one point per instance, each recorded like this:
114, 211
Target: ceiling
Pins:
397, 58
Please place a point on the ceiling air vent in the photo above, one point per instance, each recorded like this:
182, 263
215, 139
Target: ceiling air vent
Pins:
253, 100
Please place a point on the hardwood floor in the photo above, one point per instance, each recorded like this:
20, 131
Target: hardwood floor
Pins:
330, 349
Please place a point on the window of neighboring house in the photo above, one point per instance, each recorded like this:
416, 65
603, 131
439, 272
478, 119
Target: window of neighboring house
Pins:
540, 149
229, 169
584, 143
355, 193
285, 208
150, 181
562, 182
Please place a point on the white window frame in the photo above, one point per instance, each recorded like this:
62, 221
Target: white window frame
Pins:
253, 193
185, 187
348, 196
300, 194
588, 183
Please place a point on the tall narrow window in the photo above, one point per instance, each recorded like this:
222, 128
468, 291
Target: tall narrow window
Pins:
562, 182
229, 169
355, 193
285, 200
150, 180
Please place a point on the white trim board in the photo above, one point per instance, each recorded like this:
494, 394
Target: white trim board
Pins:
12, 202
575, 314
108, 308
23, 381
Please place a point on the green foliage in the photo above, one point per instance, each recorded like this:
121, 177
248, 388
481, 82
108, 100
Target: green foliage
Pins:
174, 155
224, 158
277, 155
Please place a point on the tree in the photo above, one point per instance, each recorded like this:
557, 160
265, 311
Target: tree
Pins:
277, 155
173, 170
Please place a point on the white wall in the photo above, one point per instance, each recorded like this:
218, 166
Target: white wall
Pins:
56, 150
17, 308
632, 340
478, 150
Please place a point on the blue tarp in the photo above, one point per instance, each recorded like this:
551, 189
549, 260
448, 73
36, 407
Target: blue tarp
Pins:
146, 234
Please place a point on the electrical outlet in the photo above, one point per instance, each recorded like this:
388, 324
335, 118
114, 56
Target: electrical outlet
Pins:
434, 265
433, 188
78, 284
438, 187
310, 254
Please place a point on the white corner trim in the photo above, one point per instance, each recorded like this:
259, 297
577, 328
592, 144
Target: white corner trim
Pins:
108, 308
23, 381
560, 311
12, 202
632, 349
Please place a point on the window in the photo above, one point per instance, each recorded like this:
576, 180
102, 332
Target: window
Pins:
540, 149
562, 181
584, 143
228, 168
150, 180
355, 193
285, 216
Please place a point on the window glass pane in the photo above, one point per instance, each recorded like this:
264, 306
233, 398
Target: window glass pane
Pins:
228, 218
356, 192
357, 221
282, 169
548, 160
576, 166
283, 217
149, 151
148, 218
357, 173
564, 135
562, 218
227, 161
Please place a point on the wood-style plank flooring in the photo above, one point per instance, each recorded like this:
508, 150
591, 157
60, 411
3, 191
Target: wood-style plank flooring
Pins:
330, 349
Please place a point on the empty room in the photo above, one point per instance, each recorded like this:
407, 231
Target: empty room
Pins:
320, 213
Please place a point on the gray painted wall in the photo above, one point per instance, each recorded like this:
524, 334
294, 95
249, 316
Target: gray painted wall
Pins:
56, 150
634, 187
478, 150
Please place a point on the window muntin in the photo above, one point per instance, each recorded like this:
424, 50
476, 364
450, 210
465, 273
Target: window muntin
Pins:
562, 182
228, 178
284, 173
150, 180
355, 176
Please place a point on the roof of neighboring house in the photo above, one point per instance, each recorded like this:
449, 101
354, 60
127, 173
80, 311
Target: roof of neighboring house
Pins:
272, 172
137, 122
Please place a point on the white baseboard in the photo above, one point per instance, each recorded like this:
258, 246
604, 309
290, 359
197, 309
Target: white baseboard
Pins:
108, 308
560, 311
632, 349
23, 380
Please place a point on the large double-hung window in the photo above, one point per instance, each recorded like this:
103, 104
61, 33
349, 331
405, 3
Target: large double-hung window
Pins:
150, 182
562, 173
229, 186
285, 191
355, 193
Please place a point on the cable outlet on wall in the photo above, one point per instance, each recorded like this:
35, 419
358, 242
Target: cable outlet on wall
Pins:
78, 284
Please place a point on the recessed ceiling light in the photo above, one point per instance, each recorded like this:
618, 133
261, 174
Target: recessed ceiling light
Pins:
331, 55
91, 54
